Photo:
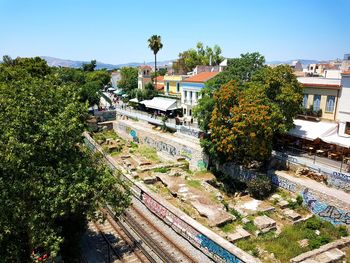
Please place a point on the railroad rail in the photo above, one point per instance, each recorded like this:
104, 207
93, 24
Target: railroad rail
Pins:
120, 248
166, 249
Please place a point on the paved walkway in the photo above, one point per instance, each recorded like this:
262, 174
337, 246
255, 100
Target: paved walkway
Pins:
326, 166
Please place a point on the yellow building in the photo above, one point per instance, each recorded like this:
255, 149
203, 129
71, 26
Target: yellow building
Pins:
172, 84
320, 97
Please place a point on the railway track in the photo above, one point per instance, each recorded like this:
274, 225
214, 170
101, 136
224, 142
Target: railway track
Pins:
115, 244
164, 247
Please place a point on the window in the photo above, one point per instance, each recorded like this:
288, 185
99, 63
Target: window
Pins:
190, 112
305, 99
191, 95
330, 104
177, 87
196, 96
347, 128
317, 102
185, 95
167, 87
184, 111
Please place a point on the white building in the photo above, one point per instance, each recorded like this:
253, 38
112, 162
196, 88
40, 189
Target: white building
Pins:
115, 77
344, 105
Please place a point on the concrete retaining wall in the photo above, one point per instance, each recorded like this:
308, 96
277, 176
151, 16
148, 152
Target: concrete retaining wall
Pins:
330, 204
173, 145
335, 178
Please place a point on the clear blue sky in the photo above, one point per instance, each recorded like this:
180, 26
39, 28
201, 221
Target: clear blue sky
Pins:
116, 31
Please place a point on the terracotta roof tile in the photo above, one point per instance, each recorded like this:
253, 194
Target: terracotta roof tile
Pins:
201, 77
160, 86
347, 72
159, 78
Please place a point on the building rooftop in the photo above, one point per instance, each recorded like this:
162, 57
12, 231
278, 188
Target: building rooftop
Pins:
159, 78
347, 72
145, 67
202, 77
319, 82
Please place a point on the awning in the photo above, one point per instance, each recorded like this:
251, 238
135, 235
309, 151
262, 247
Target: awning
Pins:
334, 138
134, 100
111, 89
159, 103
118, 92
312, 130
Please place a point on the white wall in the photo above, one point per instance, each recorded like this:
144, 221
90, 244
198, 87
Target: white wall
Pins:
344, 104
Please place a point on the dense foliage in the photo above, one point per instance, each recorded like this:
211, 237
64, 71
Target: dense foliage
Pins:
144, 94
189, 59
244, 106
49, 182
128, 81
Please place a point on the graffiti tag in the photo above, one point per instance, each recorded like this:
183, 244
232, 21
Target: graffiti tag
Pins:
161, 146
328, 212
284, 183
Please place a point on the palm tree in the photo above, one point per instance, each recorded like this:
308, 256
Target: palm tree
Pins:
155, 44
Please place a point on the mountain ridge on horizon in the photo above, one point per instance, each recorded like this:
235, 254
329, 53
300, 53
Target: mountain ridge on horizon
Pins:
58, 62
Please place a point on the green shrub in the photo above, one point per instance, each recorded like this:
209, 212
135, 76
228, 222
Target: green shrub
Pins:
300, 200
133, 145
343, 231
162, 170
259, 187
227, 228
319, 241
313, 223
250, 227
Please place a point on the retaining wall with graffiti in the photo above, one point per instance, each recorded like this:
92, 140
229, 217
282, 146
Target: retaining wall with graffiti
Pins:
324, 205
331, 213
172, 145
336, 179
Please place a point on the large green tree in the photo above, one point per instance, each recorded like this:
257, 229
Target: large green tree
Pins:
49, 181
244, 106
189, 59
128, 80
239, 69
89, 66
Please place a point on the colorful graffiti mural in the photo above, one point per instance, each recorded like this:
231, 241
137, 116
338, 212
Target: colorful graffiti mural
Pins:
201, 164
328, 212
284, 183
133, 134
191, 233
161, 146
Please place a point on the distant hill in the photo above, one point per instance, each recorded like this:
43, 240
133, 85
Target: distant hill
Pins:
58, 62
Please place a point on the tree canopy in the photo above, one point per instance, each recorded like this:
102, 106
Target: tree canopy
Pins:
189, 59
49, 181
89, 66
128, 81
244, 106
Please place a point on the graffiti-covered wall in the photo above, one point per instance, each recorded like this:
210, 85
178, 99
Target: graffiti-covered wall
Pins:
320, 203
173, 146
